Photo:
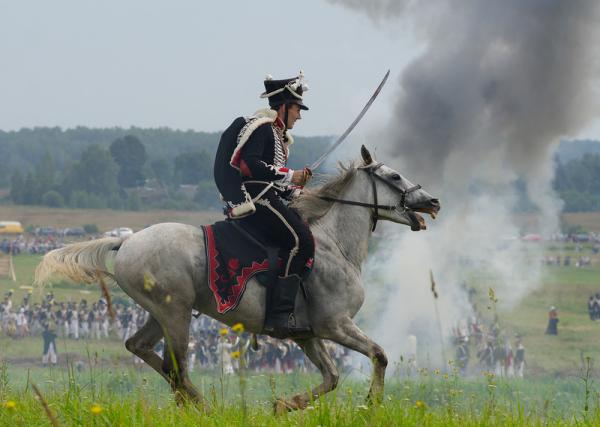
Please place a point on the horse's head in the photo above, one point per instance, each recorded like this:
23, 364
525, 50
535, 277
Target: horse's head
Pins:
395, 198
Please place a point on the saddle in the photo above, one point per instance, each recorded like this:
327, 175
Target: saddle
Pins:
234, 256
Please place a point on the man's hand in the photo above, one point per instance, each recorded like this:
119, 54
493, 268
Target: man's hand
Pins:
301, 176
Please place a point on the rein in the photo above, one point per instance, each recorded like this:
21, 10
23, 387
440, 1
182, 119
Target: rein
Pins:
371, 171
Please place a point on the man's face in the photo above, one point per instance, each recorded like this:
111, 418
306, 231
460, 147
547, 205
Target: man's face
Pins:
293, 114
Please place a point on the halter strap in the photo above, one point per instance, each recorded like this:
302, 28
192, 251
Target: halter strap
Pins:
370, 170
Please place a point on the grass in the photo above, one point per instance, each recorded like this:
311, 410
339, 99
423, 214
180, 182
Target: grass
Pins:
101, 386
132, 397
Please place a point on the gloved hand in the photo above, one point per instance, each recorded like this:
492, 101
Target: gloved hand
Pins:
301, 176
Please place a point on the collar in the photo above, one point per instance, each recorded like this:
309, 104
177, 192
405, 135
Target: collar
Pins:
279, 123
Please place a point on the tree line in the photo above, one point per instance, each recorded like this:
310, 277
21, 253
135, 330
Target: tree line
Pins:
138, 169
577, 181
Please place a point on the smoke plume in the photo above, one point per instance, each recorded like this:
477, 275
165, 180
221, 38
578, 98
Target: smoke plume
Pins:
496, 87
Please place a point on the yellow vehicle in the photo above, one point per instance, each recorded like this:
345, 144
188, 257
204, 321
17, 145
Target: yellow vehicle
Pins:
11, 227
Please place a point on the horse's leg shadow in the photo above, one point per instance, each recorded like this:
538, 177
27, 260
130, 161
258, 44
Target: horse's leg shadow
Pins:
315, 350
349, 335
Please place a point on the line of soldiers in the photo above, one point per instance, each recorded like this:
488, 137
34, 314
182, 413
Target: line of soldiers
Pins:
495, 353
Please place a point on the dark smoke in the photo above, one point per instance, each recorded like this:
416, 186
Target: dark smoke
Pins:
497, 85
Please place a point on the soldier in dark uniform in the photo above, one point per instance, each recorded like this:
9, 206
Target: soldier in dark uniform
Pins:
252, 177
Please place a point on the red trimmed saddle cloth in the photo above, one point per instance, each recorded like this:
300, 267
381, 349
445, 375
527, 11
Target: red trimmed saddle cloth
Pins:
234, 257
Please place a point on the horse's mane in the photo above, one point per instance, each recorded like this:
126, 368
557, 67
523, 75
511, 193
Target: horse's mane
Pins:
310, 204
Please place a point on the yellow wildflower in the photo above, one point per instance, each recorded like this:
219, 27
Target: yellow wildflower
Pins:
96, 409
11, 404
235, 354
223, 332
436, 371
168, 299
419, 404
238, 328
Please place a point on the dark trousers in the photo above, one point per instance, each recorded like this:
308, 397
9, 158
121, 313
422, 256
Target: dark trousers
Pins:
283, 227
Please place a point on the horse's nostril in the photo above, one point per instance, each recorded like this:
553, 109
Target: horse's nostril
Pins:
435, 202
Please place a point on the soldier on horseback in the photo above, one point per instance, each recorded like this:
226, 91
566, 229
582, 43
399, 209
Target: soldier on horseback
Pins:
252, 177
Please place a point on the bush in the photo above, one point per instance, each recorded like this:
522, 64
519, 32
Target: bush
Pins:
53, 199
90, 228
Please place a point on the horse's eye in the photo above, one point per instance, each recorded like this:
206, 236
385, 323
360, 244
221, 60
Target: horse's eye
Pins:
396, 177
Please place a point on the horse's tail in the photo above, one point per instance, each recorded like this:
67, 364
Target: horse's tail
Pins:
82, 262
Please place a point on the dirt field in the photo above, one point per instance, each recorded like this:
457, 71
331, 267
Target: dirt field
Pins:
105, 219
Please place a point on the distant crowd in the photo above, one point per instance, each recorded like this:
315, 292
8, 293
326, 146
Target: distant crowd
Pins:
494, 351
31, 245
567, 261
211, 344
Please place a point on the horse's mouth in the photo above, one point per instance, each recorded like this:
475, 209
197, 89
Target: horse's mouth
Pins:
431, 207
417, 222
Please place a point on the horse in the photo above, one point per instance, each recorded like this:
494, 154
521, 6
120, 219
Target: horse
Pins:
164, 269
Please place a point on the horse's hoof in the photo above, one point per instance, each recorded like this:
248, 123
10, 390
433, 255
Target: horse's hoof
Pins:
281, 407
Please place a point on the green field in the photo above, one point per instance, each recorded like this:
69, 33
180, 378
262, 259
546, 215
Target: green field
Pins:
101, 375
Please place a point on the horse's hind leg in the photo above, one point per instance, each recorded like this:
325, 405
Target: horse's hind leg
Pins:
315, 350
142, 344
349, 335
176, 331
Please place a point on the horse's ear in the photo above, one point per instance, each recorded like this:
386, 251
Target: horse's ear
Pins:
366, 155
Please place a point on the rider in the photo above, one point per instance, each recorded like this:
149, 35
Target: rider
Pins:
251, 174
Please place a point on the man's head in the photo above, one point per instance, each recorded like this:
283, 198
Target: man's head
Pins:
293, 114
285, 97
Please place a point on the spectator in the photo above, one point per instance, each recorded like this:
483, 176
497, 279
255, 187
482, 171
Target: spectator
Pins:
49, 354
552, 328
519, 357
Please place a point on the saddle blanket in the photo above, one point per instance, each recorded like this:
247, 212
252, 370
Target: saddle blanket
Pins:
233, 259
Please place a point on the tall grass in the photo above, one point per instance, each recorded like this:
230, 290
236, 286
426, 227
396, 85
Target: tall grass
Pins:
140, 398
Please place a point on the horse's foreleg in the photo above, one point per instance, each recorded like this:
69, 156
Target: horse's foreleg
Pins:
349, 335
315, 350
176, 330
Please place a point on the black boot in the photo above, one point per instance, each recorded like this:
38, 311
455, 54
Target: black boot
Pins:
280, 321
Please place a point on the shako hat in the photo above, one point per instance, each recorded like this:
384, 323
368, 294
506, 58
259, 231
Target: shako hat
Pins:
286, 91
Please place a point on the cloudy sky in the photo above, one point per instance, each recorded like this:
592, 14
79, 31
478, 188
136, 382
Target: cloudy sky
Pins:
192, 64
188, 64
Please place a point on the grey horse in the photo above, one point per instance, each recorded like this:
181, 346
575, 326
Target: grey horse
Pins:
164, 269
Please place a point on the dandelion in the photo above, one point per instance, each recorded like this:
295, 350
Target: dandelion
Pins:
223, 332
11, 404
96, 409
168, 299
238, 328
235, 354
419, 404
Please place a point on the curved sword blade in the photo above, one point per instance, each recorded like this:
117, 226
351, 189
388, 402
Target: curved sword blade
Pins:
341, 139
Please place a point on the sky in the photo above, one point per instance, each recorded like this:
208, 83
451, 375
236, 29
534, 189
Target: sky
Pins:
189, 64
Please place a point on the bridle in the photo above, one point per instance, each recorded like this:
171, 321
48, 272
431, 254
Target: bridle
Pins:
371, 171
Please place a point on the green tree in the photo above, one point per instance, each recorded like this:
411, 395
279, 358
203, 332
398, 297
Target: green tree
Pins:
95, 174
207, 195
17, 187
45, 174
130, 154
53, 199
191, 168
31, 190
162, 170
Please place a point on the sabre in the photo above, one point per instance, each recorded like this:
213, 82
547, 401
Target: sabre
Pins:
341, 139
